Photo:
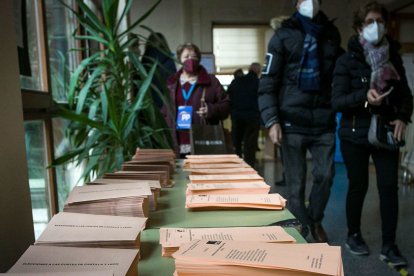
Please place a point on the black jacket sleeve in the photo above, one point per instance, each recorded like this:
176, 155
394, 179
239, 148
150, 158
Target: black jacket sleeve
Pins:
343, 96
405, 106
270, 82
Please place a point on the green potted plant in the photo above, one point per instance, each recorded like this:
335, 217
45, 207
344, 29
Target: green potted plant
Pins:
109, 105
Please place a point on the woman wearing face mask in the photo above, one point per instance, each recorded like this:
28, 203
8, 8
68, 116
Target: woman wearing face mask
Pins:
197, 97
363, 79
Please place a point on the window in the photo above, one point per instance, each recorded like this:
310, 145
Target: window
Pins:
35, 139
49, 28
238, 46
62, 61
37, 81
69, 175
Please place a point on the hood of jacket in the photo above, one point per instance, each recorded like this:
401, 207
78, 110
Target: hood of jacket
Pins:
320, 18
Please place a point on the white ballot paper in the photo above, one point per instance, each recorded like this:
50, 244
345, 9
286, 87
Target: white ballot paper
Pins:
228, 188
226, 178
260, 201
172, 238
85, 230
123, 262
254, 258
104, 192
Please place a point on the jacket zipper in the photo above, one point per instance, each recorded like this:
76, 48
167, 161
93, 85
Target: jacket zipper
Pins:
353, 123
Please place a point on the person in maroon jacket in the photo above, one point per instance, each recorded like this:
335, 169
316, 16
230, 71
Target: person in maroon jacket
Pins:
189, 106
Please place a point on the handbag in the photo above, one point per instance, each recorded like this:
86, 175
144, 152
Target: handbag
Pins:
381, 134
209, 139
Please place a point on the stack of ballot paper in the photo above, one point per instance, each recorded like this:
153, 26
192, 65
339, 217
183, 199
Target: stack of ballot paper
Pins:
231, 159
83, 273
84, 230
172, 238
43, 259
161, 176
127, 200
204, 258
154, 152
155, 187
224, 178
253, 201
191, 166
245, 170
153, 161
230, 188
154, 157
146, 168
212, 156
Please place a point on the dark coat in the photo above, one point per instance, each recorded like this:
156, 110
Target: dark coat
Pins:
280, 99
351, 83
216, 98
243, 97
165, 68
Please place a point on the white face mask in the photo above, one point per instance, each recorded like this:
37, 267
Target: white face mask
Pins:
309, 8
374, 32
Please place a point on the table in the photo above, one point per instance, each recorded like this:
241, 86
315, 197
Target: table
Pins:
153, 264
172, 213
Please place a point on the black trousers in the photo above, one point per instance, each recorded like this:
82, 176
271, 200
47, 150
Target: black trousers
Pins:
245, 133
356, 159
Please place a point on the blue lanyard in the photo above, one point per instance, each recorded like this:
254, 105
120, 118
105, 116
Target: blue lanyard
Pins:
187, 95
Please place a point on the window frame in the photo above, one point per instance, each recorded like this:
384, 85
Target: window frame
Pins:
39, 105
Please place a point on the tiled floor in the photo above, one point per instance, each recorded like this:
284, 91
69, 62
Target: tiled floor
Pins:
335, 221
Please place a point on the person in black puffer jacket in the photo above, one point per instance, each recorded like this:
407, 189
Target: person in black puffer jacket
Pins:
245, 116
362, 77
295, 99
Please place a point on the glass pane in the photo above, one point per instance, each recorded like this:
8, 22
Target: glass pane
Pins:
60, 27
36, 80
67, 176
38, 176
250, 44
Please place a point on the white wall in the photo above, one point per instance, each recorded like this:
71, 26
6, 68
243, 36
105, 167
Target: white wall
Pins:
192, 20
16, 231
168, 18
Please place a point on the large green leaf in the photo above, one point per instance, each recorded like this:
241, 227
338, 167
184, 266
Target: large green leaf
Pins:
137, 104
85, 89
81, 118
142, 18
91, 20
110, 108
95, 38
126, 9
63, 159
74, 80
110, 13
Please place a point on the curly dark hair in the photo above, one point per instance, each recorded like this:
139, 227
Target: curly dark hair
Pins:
189, 46
361, 13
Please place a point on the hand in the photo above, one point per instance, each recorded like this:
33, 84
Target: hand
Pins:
275, 134
202, 112
399, 129
374, 98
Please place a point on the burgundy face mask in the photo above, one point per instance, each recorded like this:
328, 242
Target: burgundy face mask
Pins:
191, 66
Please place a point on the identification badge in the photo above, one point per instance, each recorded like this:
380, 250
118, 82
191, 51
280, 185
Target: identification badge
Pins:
184, 117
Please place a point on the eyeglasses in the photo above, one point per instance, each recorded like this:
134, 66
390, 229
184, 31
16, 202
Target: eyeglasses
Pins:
369, 21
